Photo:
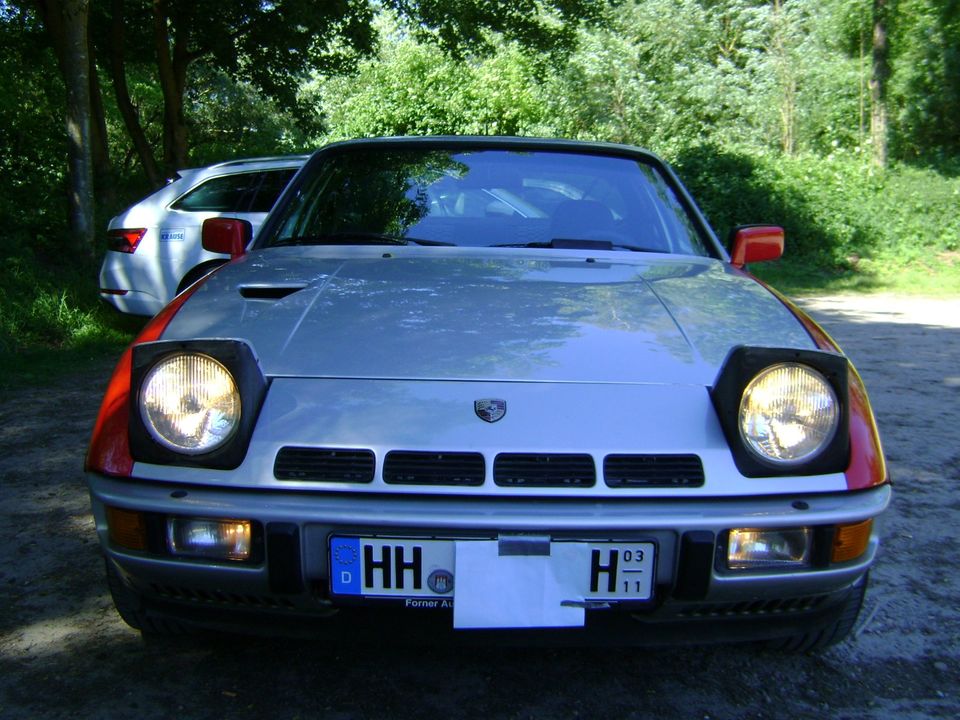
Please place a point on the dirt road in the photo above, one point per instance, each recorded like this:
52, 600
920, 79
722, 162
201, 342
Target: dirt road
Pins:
64, 653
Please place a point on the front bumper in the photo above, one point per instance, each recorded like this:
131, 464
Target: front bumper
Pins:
289, 581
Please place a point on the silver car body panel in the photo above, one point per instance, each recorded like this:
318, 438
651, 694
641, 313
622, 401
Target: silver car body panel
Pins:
598, 419
349, 341
488, 314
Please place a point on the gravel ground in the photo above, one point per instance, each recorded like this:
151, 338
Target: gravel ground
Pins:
64, 653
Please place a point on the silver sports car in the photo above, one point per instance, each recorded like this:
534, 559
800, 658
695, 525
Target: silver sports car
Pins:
488, 388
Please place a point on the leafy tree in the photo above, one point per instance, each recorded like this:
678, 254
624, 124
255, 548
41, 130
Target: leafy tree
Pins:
33, 174
273, 46
924, 83
414, 88
268, 45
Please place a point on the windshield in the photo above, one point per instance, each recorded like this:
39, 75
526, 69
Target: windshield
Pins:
488, 197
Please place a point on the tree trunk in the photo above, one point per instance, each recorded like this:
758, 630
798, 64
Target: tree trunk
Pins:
172, 71
787, 80
129, 112
102, 169
878, 83
66, 24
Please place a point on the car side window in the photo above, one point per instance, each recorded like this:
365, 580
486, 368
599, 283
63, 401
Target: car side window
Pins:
228, 193
271, 185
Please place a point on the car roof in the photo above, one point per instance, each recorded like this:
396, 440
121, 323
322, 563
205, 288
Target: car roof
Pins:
502, 142
251, 163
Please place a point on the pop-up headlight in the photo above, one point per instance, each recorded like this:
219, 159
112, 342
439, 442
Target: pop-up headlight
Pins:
784, 411
788, 413
194, 403
189, 403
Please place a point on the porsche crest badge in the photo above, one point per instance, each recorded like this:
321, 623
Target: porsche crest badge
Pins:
490, 410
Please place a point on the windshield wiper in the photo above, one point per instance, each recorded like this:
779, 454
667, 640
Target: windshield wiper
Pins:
565, 244
357, 237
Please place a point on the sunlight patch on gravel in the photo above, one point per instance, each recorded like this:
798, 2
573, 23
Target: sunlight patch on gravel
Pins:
56, 636
931, 312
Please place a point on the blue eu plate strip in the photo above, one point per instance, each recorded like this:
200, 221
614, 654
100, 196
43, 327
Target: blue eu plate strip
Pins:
345, 566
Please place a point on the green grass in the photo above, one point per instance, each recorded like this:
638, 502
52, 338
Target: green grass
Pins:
940, 277
52, 319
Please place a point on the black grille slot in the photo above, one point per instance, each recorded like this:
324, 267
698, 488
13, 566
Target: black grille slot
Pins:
756, 607
324, 465
217, 597
402, 467
653, 471
516, 470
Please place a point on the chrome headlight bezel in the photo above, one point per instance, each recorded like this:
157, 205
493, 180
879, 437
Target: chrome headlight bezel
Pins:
742, 367
237, 358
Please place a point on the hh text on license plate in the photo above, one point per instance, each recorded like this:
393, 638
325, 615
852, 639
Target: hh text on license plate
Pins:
406, 567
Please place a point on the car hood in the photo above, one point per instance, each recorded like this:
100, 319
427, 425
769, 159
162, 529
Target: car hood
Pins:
482, 314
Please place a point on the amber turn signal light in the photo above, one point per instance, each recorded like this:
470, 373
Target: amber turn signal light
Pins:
850, 541
127, 528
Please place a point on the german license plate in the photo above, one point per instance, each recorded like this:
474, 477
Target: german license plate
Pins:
416, 568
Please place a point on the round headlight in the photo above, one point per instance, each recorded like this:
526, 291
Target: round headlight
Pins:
190, 403
788, 413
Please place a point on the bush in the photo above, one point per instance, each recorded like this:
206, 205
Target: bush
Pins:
834, 210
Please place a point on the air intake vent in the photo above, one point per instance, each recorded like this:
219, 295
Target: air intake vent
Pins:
269, 292
324, 465
432, 468
516, 470
653, 471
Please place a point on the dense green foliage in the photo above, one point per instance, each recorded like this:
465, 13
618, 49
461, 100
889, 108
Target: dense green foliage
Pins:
763, 106
835, 210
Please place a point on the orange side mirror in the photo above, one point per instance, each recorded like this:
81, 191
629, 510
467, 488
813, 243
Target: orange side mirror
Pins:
226, 235
756, 243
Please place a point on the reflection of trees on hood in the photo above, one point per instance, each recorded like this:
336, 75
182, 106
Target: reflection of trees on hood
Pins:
437, 316
719, 309
449, 318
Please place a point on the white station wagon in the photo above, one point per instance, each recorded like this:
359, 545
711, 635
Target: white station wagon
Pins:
153, 247
488, 388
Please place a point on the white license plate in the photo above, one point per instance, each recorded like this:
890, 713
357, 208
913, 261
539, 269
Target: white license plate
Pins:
413, 568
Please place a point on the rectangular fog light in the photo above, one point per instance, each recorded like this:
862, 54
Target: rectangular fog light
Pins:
756, 549
210, 538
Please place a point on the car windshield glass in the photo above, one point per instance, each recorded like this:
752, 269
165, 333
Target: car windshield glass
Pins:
489, 197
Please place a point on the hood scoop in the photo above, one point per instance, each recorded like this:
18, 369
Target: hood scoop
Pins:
270, 292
